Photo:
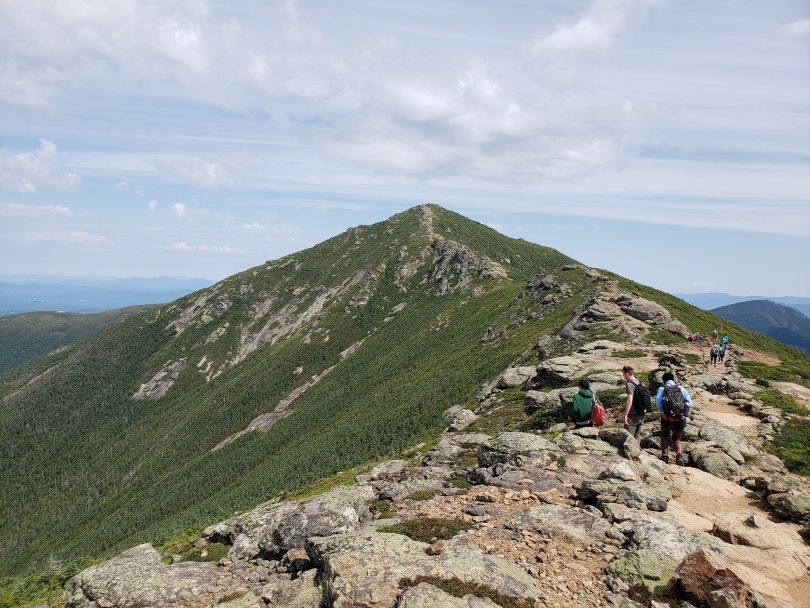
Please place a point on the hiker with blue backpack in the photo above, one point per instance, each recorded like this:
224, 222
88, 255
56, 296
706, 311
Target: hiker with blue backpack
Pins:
722, 353
674, 403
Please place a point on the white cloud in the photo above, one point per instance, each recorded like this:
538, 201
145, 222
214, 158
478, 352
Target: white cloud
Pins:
153, 204
182, 246
197, 172
75, 236
255, 226
472, 128
122, 186
798, 28
25, 171
191, 214
596, 30
39, 212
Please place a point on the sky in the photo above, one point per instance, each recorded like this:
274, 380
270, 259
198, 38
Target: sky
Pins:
666, 141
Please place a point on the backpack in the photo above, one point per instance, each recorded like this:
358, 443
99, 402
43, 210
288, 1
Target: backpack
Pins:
674, 403
598, 415
642, 402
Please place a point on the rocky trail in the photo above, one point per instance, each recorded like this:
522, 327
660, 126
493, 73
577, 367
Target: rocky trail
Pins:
587, 517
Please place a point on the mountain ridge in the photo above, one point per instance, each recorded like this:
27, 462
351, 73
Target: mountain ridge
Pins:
410, 316
770, 318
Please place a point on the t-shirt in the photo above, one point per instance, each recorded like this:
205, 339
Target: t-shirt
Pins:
631, 387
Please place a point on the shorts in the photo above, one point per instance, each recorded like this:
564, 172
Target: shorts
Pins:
666, 425
634, 428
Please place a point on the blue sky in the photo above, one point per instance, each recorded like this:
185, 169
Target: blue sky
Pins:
667, 141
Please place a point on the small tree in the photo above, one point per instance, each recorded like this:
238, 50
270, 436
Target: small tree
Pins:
54, 565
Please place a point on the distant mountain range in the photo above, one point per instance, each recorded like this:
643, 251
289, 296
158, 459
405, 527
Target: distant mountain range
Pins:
710, 301
29, 293
773, 319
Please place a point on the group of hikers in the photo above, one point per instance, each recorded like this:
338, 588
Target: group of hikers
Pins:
671, 400
718, 352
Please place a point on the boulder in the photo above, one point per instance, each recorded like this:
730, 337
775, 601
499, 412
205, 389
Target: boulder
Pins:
302, 592
600, 347
562, 523
612, 378
138, 577
513, 448
365, 568
425, 595
391, 469
556, 372
277, 528
647, 311
620, 601
676, 327
704, 571
614, 436
462, 420
714, 461
797, 505
515, 376
620, 470
724, 598
630, 448
657, 548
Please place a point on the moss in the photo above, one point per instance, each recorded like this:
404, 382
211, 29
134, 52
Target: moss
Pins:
465, 460
539, 421
785, 373
460, 482
210, 553
772, 397
343, 478
458, 588
613, 398
421, 495
629, 354
792, 445
692, 358
229, 597
646, 568
428, 529
662, 336
379, 506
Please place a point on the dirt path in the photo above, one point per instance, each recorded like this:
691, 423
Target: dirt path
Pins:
774, 556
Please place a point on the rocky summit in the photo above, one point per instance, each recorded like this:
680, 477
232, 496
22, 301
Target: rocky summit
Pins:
381, 421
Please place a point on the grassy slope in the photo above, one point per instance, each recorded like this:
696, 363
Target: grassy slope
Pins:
89, 471
29, 335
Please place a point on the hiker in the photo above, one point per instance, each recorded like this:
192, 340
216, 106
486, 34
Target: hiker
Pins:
724, 339
714, 336
582, 405
714, 353
638, 402
722, 353
674, 403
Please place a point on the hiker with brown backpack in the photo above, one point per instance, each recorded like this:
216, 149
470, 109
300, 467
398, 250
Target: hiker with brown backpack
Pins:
674, 403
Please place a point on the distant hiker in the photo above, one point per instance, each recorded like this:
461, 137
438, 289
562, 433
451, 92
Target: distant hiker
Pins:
714, 336
638, 402
692, 337
582, 405
724, 339
674, 403
714, 353
722, 353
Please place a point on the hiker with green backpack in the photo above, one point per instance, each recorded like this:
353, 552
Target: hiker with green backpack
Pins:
674, 403
586, 409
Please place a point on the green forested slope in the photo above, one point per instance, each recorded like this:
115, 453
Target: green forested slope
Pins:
31, 334
88, 469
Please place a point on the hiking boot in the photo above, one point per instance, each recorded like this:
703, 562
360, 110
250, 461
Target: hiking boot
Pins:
665, 458
680, 460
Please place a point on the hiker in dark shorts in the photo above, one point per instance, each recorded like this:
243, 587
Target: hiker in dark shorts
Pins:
714, 353
722, 353
672, 424
634, 409
582, 405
